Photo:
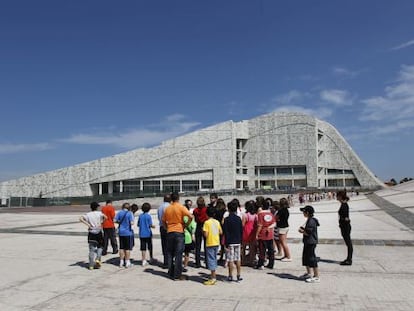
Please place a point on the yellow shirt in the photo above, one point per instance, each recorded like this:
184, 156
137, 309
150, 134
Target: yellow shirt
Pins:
212, 231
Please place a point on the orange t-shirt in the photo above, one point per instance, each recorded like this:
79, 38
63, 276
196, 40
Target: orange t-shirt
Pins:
108, 211
174, 217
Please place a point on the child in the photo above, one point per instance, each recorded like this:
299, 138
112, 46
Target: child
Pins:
212, 231
94, 220
310, 240
145, 233
189, 236
233, 233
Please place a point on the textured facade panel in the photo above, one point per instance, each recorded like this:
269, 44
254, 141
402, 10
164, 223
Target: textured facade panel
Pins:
228, 154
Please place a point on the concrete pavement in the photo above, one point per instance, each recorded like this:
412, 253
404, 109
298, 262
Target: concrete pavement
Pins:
43, 267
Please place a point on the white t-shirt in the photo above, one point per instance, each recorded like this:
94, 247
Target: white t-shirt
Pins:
95, 219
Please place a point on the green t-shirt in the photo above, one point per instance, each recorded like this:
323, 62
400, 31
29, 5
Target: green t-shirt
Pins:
189, 230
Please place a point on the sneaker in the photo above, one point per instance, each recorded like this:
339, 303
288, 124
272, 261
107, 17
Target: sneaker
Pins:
270, 267
239, 278
210, 282
346, 263
286, 259
182, 277
185, 269
115, 252
260, 268
230, 278
144, 263
305, 276
313, 280
128, 265
91, 268
98, 264
121, 263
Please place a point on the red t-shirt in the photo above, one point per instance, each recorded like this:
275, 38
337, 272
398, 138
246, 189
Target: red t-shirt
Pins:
108, 211
267, 221
200, 214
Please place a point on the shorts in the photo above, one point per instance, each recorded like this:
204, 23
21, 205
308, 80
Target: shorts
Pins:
233, 252
276, 234
308, 256
126, 242
146, 243
283, 230
212, 257
96, 239
188, 248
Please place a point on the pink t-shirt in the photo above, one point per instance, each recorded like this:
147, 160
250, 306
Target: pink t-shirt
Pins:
249, 229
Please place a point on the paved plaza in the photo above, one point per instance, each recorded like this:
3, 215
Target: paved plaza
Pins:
44, 254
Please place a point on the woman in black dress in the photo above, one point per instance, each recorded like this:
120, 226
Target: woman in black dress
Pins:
345, 225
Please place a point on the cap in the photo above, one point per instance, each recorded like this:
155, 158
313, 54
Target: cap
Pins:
309, 209
95, 205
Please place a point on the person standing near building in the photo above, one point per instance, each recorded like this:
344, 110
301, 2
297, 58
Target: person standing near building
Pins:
173, 220
212, 231
265, 230
283, 225
310, 240
200, 216
125, 219
233, 234
145, 233
94, 220
345, 225
163, 230
109, 228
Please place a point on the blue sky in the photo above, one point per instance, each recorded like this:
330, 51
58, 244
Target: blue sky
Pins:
81, 80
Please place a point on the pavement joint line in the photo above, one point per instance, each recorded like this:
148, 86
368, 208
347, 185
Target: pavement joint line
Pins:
322, 241
400, 214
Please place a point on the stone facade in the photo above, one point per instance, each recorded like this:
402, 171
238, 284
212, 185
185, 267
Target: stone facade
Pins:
276, 150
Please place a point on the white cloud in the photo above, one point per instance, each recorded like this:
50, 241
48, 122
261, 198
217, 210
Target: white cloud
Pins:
403, 45
344, 72
290, 97
396, 104
336, 97
174, 126
18, 148
319, 112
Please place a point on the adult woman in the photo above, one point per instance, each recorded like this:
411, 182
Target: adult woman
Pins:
345, 225
283, 225
125, 219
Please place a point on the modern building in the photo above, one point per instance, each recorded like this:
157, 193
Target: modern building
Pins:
272, 151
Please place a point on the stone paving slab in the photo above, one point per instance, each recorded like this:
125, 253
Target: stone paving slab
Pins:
48, 271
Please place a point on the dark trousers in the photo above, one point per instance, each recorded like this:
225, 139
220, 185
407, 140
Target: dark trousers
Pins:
175, 246
266, 245
109, 234
163, 234
346, 234
199, 237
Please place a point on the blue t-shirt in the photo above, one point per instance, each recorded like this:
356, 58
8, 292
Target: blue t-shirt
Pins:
144, 225
126, 217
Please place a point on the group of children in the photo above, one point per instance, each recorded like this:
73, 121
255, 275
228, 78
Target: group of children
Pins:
228, 232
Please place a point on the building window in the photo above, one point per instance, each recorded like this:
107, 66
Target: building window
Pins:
284, 171
191, 185
207, 184
353, 182
151, 186
171, 186
334, 171
335, 182
267, 171
131, 186
300, 170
